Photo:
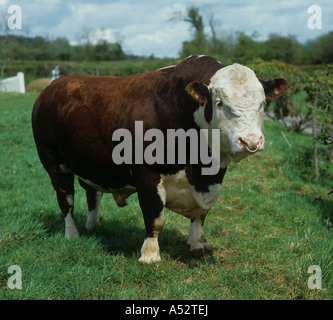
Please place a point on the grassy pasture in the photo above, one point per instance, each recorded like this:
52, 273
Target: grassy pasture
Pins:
270, 224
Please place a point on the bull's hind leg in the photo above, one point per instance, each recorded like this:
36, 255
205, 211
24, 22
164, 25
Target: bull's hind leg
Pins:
63, 183
62, 180
93, 200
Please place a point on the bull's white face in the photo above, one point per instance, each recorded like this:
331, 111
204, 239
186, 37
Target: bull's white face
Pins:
238, 106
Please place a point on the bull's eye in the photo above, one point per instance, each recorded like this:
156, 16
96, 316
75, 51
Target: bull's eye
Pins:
219, 103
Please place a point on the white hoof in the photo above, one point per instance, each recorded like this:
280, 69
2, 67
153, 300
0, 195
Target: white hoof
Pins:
149, 259
70, 228
92, 221
71, 233
150, 251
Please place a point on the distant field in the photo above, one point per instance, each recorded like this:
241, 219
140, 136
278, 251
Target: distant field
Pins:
270, 224
34, 69
43, 69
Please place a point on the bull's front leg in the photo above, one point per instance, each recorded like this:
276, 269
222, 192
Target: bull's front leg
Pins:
150, 251
197, 239
152, 200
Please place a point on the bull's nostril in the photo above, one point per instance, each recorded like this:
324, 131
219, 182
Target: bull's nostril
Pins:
246, 144
241, 143
251, 143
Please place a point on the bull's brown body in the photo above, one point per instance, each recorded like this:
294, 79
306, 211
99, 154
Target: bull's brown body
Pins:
74, 120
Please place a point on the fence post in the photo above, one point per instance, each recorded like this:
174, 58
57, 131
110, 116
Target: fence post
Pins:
315, 151
20, 76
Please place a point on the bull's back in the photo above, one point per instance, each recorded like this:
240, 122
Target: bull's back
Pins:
74, 118
69, 116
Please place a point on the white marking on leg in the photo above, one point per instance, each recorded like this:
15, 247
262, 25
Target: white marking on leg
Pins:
195, 234
150, 251
197, 239
93, 217
70, 228
70, 200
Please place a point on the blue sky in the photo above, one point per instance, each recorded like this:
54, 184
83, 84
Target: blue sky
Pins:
144, 26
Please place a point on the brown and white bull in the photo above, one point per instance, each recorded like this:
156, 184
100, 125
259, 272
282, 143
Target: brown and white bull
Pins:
75, 118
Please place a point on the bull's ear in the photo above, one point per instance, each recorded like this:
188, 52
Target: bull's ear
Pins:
200, 92
275, 88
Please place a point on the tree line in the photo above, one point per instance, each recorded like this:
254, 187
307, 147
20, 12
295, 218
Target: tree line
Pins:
236, 46
244, 48
40, 48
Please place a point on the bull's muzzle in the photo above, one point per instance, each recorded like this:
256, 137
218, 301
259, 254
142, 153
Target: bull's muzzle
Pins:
251, 143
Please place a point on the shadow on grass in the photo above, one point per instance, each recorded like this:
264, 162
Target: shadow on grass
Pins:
118, 236
127, 238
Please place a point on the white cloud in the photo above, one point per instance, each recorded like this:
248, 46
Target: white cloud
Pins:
99, 34
165, 41
145, 26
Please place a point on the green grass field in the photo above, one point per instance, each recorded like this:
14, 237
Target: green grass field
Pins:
270, 224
